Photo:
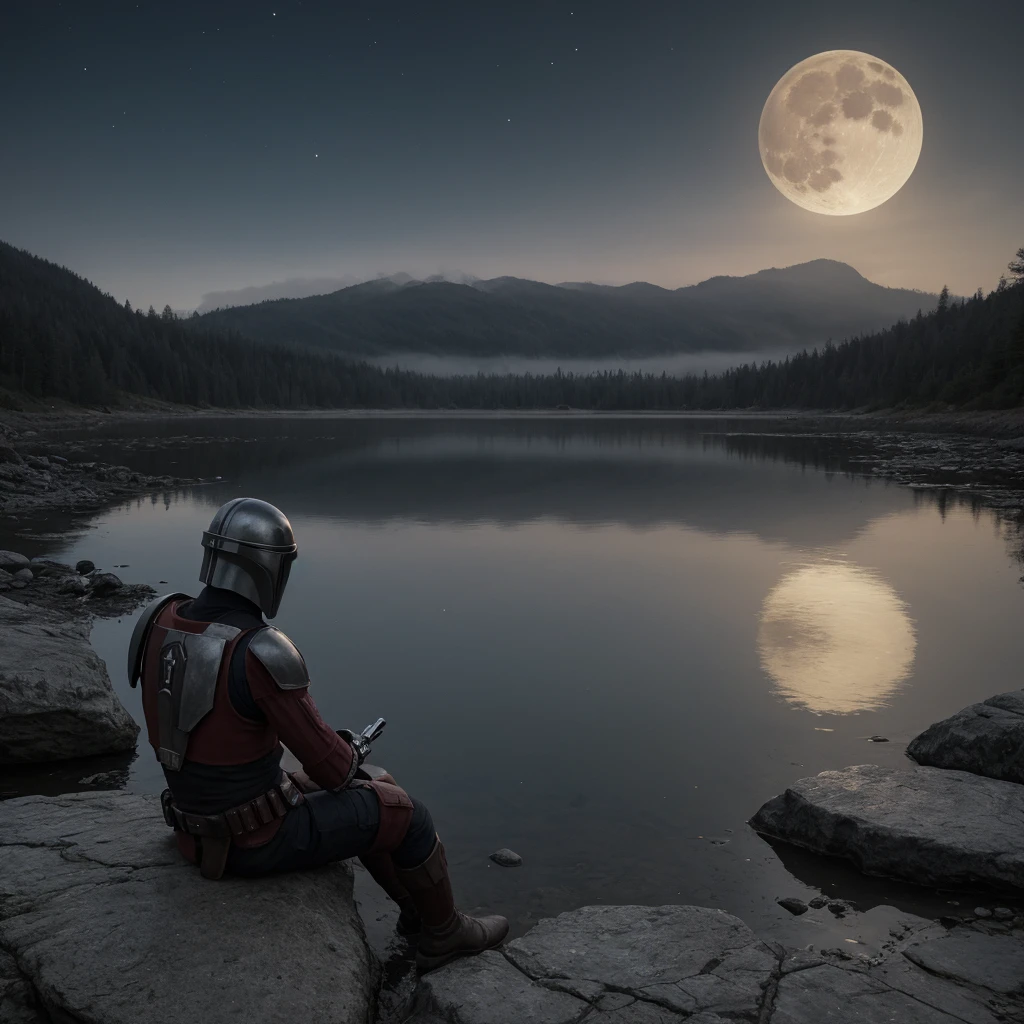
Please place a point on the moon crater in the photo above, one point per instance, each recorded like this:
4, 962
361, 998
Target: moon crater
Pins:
875, 131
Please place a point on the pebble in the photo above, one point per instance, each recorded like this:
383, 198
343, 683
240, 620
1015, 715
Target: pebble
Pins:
84, 567
793, 905
506, 858
982, 912
839, 907
1002, 913
879, 739
819, 901
25, 575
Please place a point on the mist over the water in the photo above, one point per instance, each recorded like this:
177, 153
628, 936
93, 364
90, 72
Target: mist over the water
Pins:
676, 364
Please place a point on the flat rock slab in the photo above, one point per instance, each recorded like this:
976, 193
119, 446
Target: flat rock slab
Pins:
665, 965
102, 921
897, 993
56, 701
923, 825
644, 964
985, 738
995, 961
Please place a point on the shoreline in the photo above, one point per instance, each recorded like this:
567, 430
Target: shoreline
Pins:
996, 424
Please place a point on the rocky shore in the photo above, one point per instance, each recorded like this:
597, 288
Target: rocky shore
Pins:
31, 482
101, 922
56, 699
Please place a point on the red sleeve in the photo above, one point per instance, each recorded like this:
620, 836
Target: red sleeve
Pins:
326, 758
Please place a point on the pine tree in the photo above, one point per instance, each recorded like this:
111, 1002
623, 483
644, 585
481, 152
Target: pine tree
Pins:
1016, 266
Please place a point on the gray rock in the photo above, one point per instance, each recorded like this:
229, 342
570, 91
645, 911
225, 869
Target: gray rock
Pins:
644, 964
12, 561
668, 964
995, 962
925, 825
1002, 913
17, 1000
74, 585
5, 576
982, 912
50, 567
898, 992
104, 584
107, 924
879, 739
818, 902
84, 567
25, 575
985, 738
56, 700
793, 905
506, 858
16, 584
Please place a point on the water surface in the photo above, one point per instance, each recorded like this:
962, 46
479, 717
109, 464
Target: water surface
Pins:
602, 643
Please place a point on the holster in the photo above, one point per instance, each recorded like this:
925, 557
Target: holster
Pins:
213, 856
213, 832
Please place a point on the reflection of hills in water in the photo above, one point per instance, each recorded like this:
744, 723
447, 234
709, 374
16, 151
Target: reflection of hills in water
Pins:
634, 471
835, 638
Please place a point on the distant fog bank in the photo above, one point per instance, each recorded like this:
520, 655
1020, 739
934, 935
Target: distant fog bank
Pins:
674, 364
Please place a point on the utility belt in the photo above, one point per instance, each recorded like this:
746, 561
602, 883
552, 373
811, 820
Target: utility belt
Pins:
213, 832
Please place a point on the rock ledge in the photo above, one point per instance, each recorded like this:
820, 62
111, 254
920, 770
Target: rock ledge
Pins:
102, 922
923, 825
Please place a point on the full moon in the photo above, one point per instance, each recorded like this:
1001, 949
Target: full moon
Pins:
835, 638
841, 133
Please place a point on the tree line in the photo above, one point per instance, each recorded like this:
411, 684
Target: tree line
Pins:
62, 338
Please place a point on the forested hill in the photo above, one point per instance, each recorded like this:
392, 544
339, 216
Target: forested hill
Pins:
60, 337
771, 311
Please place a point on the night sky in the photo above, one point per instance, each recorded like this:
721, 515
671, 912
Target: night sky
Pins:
166, 150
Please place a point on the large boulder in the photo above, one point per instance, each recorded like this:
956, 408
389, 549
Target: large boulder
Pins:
56, 701
985, 738
105, 923
924, 825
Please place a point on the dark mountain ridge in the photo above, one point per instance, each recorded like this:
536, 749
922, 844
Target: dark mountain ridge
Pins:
773, 310
62, 338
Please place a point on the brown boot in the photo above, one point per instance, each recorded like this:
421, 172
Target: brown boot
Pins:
446, 932
382, 870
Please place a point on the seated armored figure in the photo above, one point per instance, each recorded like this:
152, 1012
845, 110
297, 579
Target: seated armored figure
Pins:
221, 691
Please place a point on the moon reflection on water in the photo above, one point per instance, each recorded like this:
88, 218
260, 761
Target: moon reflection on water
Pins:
835, 638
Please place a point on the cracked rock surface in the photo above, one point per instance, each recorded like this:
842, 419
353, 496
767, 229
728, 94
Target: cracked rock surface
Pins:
663, 965
56, 701
926, 825
985, 738
102, 922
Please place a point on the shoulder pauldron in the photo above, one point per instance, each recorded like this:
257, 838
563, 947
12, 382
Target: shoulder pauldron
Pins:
281, 658
137, 647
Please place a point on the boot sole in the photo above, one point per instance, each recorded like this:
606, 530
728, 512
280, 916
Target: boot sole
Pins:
424, 964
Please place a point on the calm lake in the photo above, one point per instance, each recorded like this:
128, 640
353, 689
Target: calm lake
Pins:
600, 642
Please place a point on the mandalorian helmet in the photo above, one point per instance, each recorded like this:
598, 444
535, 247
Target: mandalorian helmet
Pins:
250, 548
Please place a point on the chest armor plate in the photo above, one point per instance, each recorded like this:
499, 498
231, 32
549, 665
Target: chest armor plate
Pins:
189, 667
